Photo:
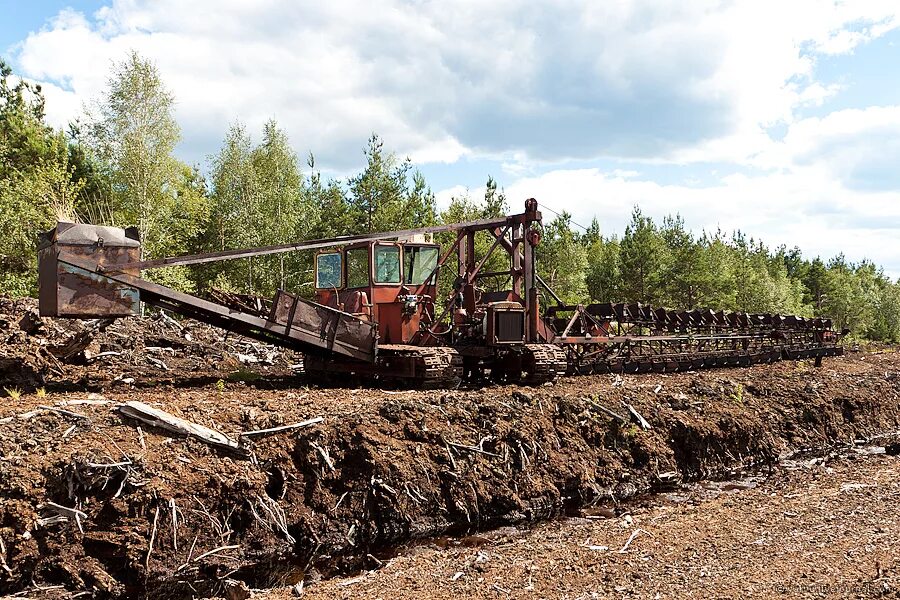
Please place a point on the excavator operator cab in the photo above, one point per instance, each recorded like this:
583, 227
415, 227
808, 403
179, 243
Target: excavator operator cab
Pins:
391, 283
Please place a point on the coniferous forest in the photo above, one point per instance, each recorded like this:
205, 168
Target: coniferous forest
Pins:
115, 165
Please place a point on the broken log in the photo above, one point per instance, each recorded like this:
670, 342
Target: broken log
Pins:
606, 411
169, 422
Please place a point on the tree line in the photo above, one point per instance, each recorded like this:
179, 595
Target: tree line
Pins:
115, 165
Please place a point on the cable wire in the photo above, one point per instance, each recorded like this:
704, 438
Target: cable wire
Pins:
559, 215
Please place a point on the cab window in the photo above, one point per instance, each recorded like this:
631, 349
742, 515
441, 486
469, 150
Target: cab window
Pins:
328, 270
419, 262
387, 264
358, 267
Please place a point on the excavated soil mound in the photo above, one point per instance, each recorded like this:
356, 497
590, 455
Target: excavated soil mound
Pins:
64, 354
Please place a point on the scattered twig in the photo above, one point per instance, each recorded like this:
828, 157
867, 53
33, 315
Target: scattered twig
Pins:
124, 463
634, 534
606, 411
379, 483
45, 521
275, 520
341, 499
216, 551
325, 455
3, 562
351, 581
152, 537
164, 317
157, 363
174, 510
280, 429
62, 411
190, 553
472, 449
25, 416
65, 511
104, 355
637, 416
375, 560
450, 454
88, 401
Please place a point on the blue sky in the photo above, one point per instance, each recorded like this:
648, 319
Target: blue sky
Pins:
778, 118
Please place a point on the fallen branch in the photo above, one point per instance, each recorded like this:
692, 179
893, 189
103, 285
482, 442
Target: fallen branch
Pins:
606, 411
634, 534
637, 416
280, 429
169, 422
62, 411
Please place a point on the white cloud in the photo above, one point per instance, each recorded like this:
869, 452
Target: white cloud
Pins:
860, 148
806, 208
441, 80
532, 86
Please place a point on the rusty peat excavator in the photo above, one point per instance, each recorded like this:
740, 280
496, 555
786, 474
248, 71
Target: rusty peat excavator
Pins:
377, 313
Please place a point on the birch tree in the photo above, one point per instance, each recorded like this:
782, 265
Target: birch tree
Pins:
133, 132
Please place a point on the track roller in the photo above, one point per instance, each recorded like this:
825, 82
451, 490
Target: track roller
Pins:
543, 363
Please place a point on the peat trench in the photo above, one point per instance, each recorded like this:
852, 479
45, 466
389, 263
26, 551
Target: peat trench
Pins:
451, 468
348, 493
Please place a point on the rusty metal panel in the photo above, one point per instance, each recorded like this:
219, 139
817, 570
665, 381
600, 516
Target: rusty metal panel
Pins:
67, 290
84, 294
331, 327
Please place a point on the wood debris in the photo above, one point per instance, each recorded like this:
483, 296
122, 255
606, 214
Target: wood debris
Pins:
169, 422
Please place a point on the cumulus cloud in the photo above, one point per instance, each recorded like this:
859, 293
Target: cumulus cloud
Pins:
534, 88
544, 81
806, 208
860, 146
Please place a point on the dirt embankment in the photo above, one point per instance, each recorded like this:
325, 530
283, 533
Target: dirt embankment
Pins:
814, 529
173, 517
